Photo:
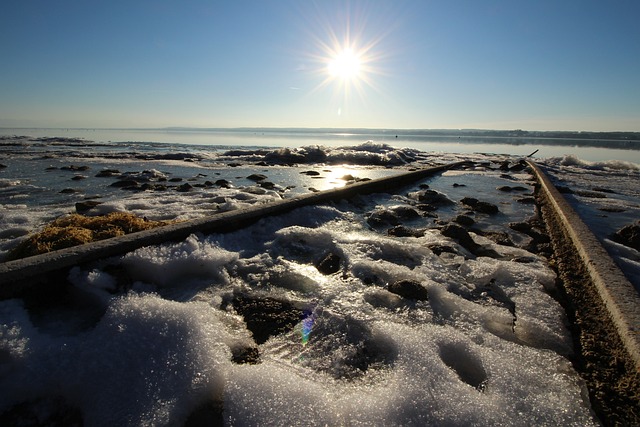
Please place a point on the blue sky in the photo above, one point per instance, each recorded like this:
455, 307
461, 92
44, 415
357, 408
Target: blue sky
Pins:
535, 65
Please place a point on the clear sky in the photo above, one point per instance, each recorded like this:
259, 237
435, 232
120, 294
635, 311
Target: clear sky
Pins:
509, 64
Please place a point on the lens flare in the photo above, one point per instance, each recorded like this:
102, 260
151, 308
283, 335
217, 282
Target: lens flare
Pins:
307, 326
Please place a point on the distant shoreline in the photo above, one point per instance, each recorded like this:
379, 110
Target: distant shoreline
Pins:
462, 133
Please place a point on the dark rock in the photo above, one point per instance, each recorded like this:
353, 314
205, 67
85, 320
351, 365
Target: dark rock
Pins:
424, 207
431, 197
107, 173
628, 236
265, 316
74, 168
402, 231
310, 173
68, 191
267, 184
51, 168
257, 177
499, 237
459, 234
245, 355
520, 166
184, 188
2, 166
330, 264
464, 220
405, 212
524, 259
527, 200
123, 183
440, 249
391, 216
82, 207
176, 179
223, 183
409, 289
522, 227
78, 177
456, 185
478, 206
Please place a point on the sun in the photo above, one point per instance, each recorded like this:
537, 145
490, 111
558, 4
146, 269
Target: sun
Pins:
345, 64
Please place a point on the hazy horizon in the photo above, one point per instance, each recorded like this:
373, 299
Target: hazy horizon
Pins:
408, 64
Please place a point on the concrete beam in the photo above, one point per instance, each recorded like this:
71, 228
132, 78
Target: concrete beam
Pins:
618, 295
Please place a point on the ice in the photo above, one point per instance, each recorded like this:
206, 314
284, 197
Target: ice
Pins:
147, 362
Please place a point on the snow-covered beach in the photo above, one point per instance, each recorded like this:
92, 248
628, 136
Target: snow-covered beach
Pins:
165, 332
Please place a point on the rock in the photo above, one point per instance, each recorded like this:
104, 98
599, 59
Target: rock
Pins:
522, 227
87, 205
78, 177
125, 183
499, 237
223, 183
310, 173
464, 220
68, 191
459, 234
257, 177
526, 200
392, 215
409, 289
74, 168
107, 173
176, 179
456, 185
628, 236
184, 188
330, 264
431, 197
402, 231
267, 184
2, 166
245, 355
265, 316
440, 249
478, 206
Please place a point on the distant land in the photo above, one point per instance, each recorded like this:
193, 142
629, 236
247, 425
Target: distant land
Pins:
486, 133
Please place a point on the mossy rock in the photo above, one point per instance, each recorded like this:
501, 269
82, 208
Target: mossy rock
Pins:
74, 230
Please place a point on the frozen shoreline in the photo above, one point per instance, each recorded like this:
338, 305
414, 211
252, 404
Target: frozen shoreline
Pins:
488, 305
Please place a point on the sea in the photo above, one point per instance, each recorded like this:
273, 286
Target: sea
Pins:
157, 336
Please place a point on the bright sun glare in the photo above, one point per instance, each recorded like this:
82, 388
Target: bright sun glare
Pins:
345, 65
